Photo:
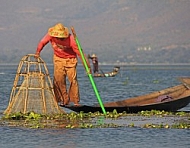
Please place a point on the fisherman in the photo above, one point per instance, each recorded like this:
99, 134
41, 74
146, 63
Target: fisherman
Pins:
65, 62
94, 59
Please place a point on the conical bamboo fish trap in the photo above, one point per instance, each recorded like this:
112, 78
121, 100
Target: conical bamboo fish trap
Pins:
32, 89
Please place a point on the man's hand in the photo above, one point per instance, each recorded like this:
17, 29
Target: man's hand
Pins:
37, 55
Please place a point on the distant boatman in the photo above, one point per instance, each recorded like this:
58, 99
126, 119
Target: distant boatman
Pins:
94, 59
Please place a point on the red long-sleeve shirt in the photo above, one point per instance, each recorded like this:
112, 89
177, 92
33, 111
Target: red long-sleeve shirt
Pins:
65, 48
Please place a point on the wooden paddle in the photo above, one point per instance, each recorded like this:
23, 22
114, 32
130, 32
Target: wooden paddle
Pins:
88, 70
103, 73
182, 80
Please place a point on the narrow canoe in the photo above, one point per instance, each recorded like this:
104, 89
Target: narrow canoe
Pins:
113, 73
169, 99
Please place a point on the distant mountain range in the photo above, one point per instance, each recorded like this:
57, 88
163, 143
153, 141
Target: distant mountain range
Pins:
130, 31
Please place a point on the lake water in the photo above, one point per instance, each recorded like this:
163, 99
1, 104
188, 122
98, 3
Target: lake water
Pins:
131, 81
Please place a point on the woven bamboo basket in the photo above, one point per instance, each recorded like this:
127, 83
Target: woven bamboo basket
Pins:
32, 89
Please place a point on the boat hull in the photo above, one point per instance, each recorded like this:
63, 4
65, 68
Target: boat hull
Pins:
108, 74
166, 106
169, 99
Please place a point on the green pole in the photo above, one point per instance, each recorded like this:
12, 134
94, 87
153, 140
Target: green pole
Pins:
88, 70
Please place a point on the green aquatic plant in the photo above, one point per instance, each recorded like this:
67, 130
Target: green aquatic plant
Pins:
181, 113
181, 126
156, 81
94, 120
21, 116
150, 125
131, 125
155, 112
33, 116
86, 125
126, 81
14, 116
166, 126
113, 114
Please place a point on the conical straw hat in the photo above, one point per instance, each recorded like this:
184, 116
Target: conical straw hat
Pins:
59, 31
93, 56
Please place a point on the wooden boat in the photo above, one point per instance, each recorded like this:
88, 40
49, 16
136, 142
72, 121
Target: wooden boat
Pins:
169, 99
113, 73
